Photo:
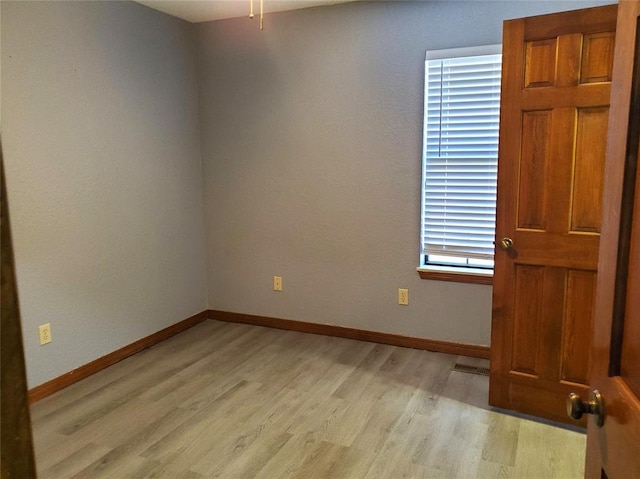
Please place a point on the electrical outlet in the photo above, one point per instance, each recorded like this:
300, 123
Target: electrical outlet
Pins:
45, 333
403, 296
277, 283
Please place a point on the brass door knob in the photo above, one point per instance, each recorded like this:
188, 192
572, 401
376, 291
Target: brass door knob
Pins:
506, 243
576, 407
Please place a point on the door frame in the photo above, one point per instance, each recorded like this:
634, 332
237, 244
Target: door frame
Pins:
615, 444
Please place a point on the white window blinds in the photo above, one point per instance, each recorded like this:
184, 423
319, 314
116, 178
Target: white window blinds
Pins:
460, 163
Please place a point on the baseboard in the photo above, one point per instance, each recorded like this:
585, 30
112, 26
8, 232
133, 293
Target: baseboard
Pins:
469, 350
61, 382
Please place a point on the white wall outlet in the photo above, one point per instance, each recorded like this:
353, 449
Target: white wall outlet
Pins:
45, 333
277, 283
403, 296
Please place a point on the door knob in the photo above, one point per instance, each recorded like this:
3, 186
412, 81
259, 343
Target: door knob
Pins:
576, 407
506, 243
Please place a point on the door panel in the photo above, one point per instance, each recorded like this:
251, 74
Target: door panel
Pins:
612, 450
597, 51
554, 114
581, 288
586, 194
540, 63
527, 319
533, 171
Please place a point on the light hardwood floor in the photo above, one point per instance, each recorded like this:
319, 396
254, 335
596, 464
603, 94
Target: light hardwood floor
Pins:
236, 401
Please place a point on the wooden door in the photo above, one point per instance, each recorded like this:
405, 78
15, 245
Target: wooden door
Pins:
16, 443
556, 84
615, 447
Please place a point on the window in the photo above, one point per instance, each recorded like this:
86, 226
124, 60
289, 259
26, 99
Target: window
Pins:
460, 160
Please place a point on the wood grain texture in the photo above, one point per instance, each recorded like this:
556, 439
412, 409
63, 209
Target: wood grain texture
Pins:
597, 51
591, 142
231, 400
534, 174
550, 177
527, 319
597, 20
615, 371
540, 63
456, 277
16, 440
61, 382
576, 331
470, 350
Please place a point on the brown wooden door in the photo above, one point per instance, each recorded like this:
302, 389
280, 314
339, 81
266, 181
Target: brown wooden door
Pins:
615, 447
556, 85
16, 442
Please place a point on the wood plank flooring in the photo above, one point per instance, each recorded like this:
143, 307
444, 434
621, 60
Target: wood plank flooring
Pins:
225, 400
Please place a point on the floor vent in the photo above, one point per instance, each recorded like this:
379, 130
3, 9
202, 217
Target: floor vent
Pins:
463, 368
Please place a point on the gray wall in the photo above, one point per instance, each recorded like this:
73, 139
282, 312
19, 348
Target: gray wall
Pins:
311, 144
311, 141
101, 142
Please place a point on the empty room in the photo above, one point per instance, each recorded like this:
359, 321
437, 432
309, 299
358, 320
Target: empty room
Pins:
329, 239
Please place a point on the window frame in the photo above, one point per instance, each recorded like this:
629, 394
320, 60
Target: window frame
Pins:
444, 272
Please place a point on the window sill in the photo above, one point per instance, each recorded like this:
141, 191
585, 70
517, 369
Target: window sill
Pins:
457, 275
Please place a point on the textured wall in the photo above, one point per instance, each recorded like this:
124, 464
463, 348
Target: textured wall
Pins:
101, 143
311, 143
311, 136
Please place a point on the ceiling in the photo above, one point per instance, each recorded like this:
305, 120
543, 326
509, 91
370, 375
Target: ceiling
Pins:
196, 11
